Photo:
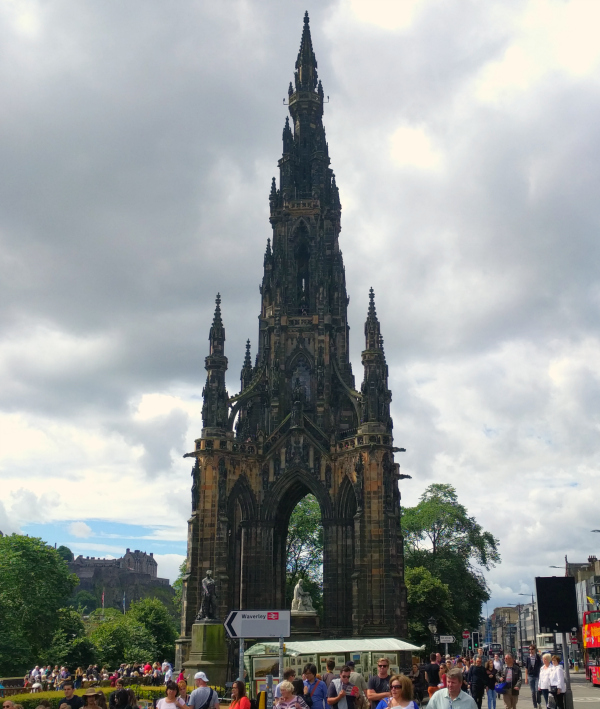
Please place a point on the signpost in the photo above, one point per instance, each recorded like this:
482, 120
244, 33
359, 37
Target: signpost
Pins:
446, 639
258, 624
466, 634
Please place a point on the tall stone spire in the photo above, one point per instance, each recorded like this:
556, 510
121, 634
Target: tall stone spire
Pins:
214, 409
306, 64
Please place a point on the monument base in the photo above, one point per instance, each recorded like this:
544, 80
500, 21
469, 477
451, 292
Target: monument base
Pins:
305, 625
208, 653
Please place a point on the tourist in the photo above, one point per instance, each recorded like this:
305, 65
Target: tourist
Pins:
443, 670
432, 675
71, 699
533, 664
180, 676
417, 677
78, 678
453, 695
288, 700
401, 690
239, 700
289, 675
358, 681
497, 663
512, 676
304, 701
328, 676
378, 687
123, 700
341, 694
172, 700
491, 677
90, 698
203, 697
477, 681
315, 687
8, 704
558, 686
120, 684
545, 676
183, 693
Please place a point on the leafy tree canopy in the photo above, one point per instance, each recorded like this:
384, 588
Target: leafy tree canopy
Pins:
440, 523
154, 616
427, 596
178, 586
304, 550
35, 583
441, 538
122, 638
65, 553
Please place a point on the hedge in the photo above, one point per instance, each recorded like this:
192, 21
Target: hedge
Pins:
31, 700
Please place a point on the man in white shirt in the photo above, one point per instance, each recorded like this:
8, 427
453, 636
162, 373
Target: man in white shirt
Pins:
453, 697
498, 663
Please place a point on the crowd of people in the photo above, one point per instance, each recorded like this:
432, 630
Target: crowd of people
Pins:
492, 678
46, 678
463, 680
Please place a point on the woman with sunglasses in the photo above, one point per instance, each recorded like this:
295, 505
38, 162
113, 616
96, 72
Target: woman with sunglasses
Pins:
401, 690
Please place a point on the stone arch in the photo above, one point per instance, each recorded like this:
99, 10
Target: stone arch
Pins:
346, 502
295, 484
283, 497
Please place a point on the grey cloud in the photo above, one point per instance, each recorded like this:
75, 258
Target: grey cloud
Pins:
137, 155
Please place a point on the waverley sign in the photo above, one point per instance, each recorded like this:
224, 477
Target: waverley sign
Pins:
258, 624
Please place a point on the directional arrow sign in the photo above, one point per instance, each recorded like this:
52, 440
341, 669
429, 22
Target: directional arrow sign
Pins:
446, 638
258, 624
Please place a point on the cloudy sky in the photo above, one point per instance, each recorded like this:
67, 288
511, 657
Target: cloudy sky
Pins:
137, 144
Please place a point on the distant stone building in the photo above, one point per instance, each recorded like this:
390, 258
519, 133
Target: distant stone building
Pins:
132, 577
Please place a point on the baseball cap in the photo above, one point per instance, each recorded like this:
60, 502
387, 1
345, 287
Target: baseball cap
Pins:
202, 676
350, 663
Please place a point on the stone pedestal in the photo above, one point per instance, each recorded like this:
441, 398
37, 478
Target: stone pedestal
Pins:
305, 625
208, 653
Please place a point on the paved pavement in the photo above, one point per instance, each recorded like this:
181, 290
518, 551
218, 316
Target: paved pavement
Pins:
585, 694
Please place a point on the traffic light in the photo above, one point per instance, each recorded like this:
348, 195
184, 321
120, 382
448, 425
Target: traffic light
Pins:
475, 636
470, 644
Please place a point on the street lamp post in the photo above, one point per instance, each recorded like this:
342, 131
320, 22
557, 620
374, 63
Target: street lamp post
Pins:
520, 650
432, 625
533, 611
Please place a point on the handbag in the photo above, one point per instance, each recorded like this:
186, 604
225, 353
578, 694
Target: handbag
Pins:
553, 689
501, 687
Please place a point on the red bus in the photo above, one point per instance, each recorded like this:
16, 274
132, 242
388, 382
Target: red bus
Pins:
591, 645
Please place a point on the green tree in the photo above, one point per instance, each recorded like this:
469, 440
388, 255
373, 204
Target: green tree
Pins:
427, 596
34, 583
178, 586
157, 620
304, 550
85, 601
65, 553
441, 537
122, 638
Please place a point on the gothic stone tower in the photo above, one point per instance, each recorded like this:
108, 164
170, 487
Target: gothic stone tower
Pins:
299, 425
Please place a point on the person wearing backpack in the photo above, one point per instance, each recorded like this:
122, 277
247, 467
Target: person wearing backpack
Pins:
203, 697
328, 676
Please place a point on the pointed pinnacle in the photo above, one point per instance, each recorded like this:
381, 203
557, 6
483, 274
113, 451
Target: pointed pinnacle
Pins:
372, 311
217, 317
247, 358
